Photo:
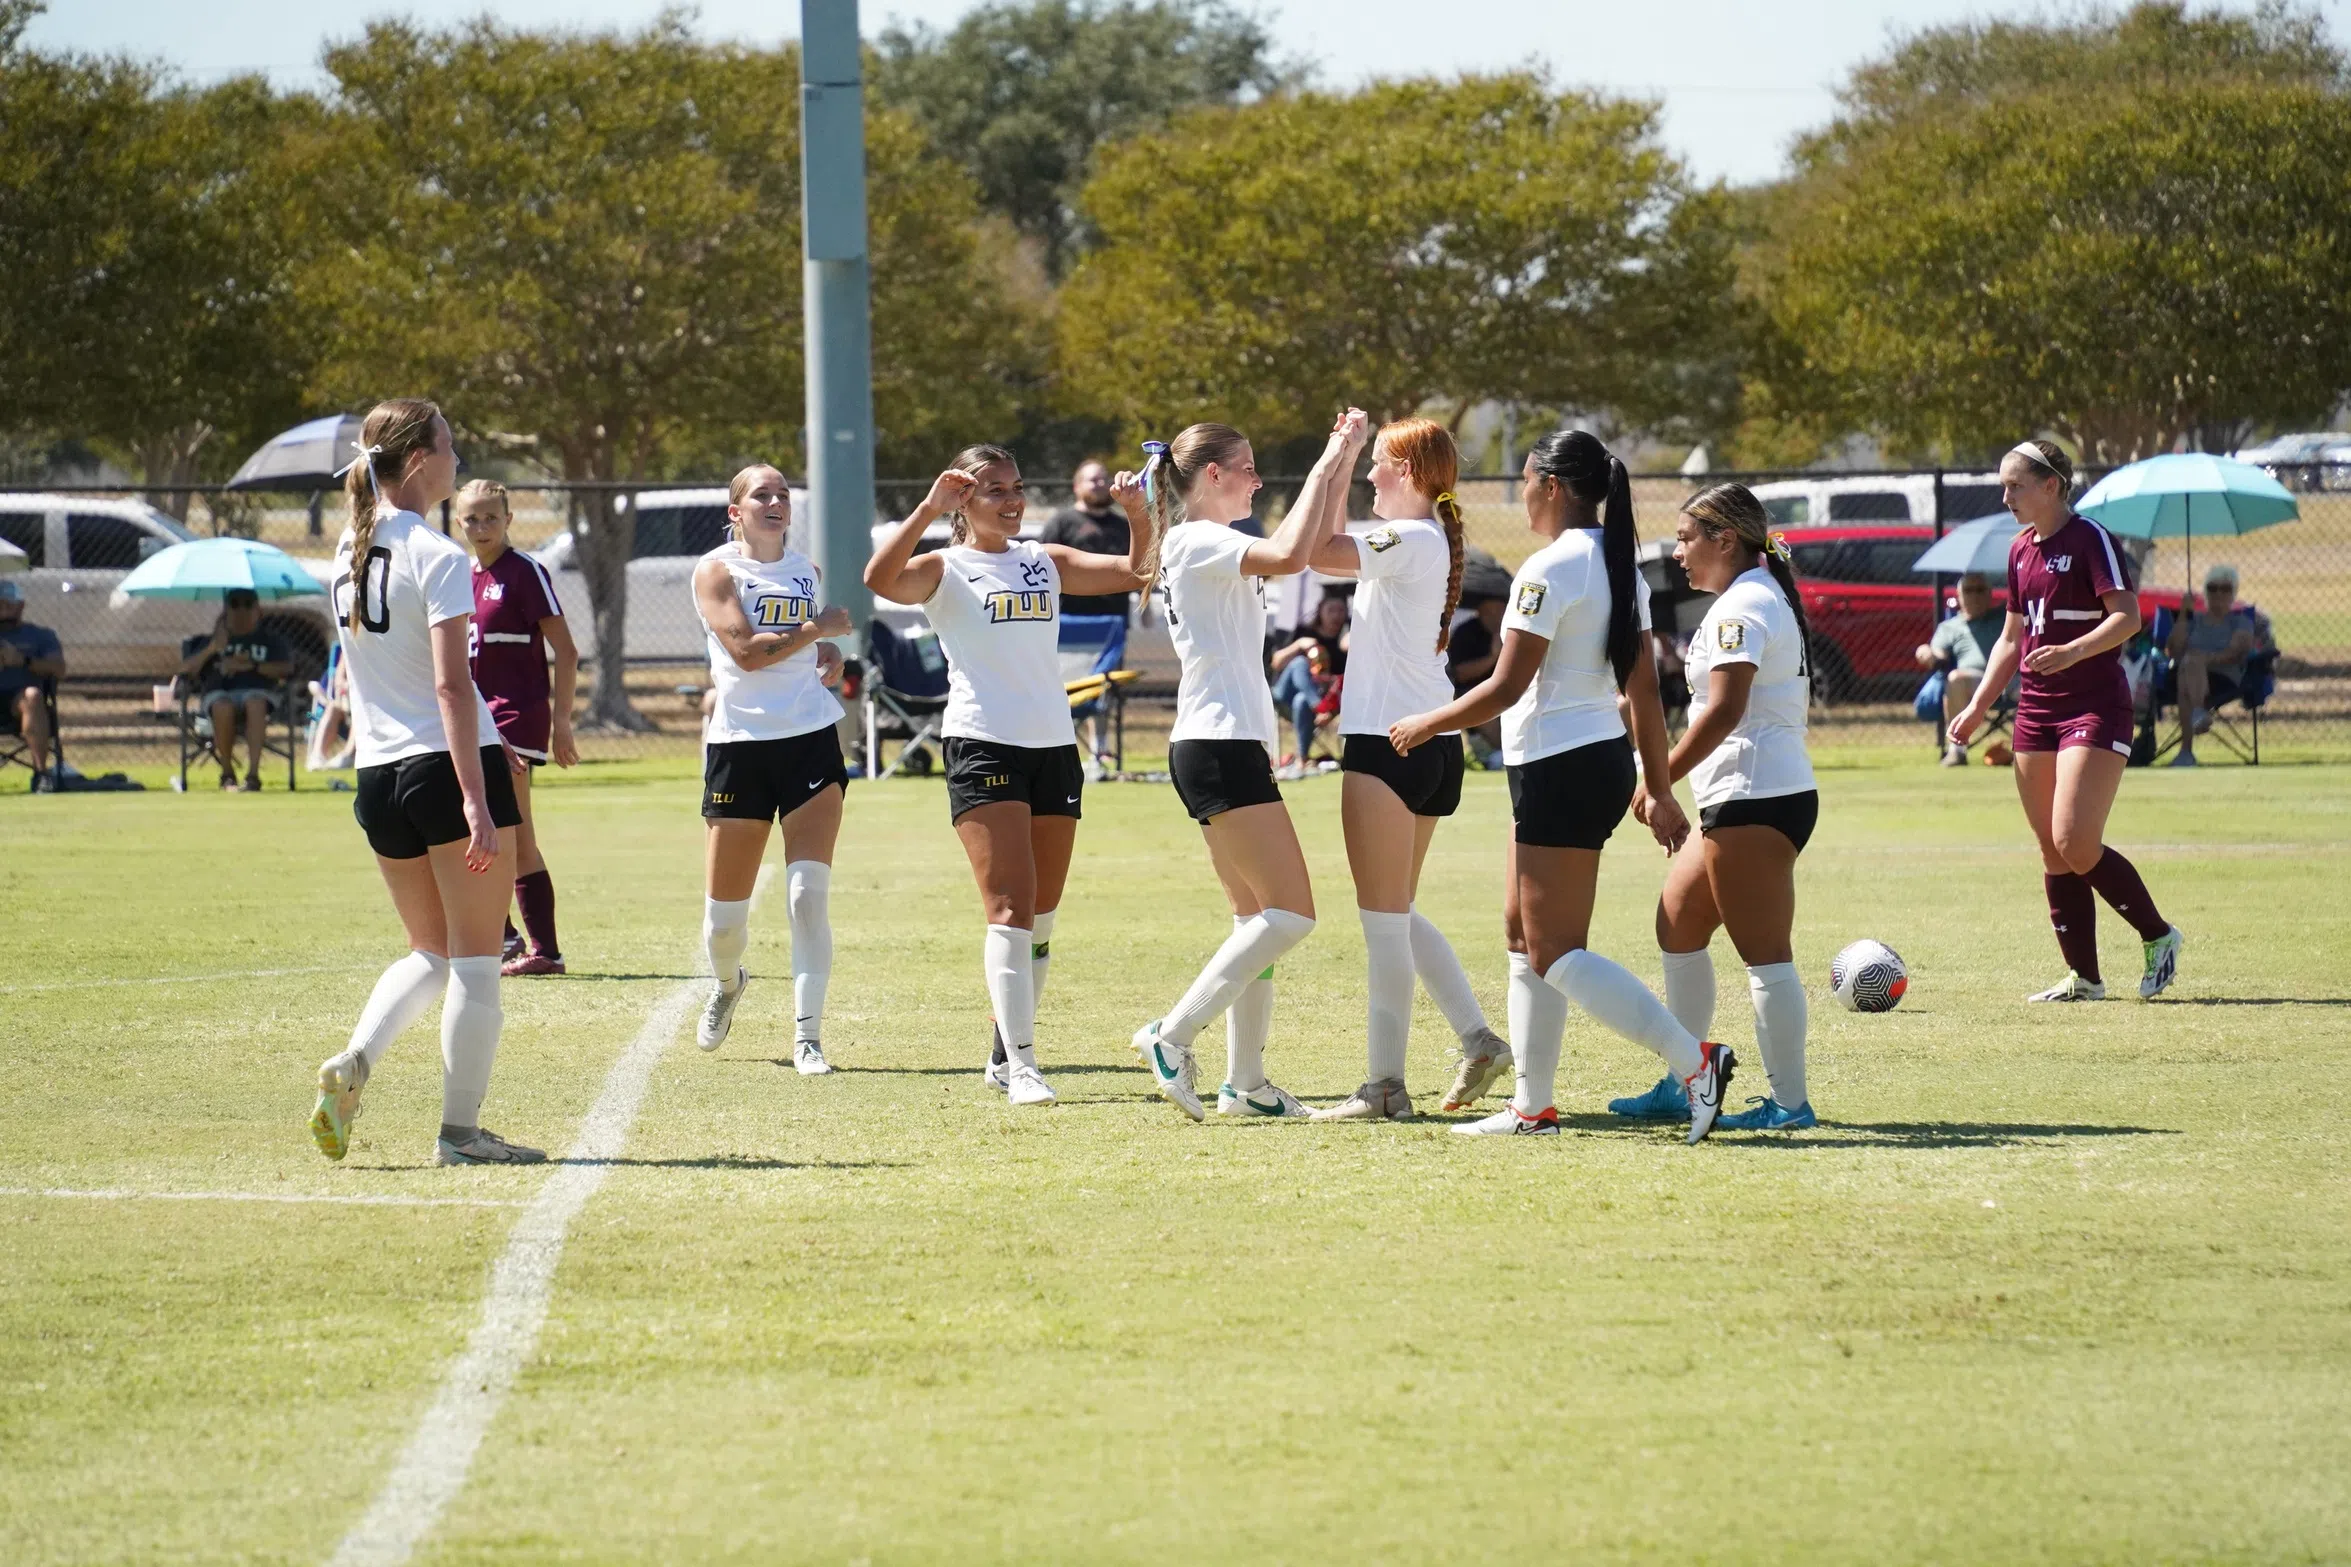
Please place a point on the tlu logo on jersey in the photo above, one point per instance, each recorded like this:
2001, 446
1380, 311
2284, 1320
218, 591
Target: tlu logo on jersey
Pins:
780, 611
1036, 605
1530, 598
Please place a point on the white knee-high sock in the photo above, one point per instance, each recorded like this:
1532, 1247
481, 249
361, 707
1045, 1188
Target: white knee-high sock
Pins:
402, 993
1689, 990
1040, 954
1613, 995
470, 1020
1012, 989
808, 889
1253, 947
1387, 943
1248, 1023
1538, 1028
1440, 971
1781, 1012
726, 931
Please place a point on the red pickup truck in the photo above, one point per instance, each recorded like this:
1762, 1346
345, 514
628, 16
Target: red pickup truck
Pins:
1868, 610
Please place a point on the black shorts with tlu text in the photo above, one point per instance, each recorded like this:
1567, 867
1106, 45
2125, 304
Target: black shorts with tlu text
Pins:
763, 780
1048, 779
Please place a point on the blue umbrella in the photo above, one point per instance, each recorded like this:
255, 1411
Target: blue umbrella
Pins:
209, 568
2187, 495
303, 458
1981, 545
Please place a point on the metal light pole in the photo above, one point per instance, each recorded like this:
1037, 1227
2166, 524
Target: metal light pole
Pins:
835, 283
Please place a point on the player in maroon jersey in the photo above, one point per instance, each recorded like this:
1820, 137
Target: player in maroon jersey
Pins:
2071, 607
516, 620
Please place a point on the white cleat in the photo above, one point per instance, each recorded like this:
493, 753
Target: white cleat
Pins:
1706, 1086
996, 1074
808, 1059
2072, 988
1265, 1101
1507, 1122
485, 1147
1382, 1099
1025, 1085
1172, 1070
1485, 1055
718, 1013
2163, 963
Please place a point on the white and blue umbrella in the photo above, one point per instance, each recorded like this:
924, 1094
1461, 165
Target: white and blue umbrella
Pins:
303, 458
212, 568
1978, 546
2188, 495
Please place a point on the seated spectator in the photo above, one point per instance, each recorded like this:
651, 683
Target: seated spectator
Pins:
1470, 657
1305, 672
1960, 647
29, 654
240, 672
2208, 652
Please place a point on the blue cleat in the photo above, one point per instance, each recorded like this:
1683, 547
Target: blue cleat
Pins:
1769, 1115
1665, 1102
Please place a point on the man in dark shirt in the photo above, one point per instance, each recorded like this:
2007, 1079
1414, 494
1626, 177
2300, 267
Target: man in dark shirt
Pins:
1095, 523
240, 668
29, 654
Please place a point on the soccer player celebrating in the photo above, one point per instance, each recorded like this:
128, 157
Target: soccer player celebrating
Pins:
772, 753
1220, 749
436, 803
2070, 609
516, 620
1014, 780
1409, 565
1574, 638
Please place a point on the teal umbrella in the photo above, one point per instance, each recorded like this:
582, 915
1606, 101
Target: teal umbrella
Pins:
209, 568
2187, 495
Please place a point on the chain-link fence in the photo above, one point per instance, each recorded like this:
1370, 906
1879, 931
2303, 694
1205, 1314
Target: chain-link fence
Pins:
1854, 537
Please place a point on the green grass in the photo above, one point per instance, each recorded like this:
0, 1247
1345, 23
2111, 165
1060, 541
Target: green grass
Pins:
2049, 1286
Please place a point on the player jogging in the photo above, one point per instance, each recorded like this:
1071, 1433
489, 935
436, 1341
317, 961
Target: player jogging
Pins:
1409, 567
1220, 751
1014, 780
517, 619
1574, 638
436, 803
771, 752
2070, 609
1750, 691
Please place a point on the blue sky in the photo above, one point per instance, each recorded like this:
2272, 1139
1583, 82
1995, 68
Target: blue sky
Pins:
1739, 78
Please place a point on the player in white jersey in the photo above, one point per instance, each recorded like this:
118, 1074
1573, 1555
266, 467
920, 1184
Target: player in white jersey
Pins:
1750, 687
435, 788
772, 755
1220, 751
1409, 570
1575, 639
1014, 779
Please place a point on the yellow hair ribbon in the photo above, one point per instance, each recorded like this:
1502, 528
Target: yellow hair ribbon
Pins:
1447, 496
1779, 546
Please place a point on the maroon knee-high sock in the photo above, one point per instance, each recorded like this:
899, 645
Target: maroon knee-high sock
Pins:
2073, 912
511, 932
536, 894
2117, 881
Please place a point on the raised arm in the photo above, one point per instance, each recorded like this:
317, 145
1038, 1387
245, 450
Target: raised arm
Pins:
1086, 573
896, 572
1302, 532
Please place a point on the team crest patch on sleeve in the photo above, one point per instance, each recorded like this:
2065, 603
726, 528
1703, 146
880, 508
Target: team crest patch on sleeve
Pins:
1379, 539
1731, 635
1530, 598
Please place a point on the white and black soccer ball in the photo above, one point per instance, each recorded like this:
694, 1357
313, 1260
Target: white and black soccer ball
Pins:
1868, 976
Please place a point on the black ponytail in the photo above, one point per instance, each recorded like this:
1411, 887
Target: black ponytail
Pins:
1594, 475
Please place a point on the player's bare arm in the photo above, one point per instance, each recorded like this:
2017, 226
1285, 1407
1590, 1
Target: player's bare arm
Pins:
896, 572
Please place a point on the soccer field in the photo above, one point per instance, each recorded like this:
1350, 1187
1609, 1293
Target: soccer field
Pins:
2047, 1284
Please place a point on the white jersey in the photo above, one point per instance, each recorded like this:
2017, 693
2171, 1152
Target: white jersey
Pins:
1562, 594
998, 617
412, 580
1216, 616
1751, 623
786, 698
1393, 667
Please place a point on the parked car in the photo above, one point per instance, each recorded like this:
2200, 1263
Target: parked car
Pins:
1867, 609
2304, 461
78, 549
1909, 497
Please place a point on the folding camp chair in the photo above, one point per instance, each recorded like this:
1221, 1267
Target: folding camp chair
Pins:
904, 695
2240, 739
1092, 649
17, 751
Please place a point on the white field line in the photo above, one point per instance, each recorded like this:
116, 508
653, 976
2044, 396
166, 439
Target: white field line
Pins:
432, 1468
366, 1199
181, 979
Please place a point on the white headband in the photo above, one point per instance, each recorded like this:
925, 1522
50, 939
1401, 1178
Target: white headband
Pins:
2028, 450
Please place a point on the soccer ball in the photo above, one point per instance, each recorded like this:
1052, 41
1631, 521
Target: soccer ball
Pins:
1868, 976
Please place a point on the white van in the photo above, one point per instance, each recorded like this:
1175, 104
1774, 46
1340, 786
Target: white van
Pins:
1906, 497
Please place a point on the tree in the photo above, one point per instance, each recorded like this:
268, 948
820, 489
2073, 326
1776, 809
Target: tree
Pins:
1024, 91
2121, 256
592, 243
1410, 243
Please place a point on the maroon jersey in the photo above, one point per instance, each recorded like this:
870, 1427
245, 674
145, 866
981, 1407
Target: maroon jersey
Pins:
510, 598
2057, 584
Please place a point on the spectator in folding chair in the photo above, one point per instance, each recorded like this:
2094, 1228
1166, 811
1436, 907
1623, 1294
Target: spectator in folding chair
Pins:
1306, 673
1096, 646
1958, 651
904, 694
30, 663
240, 673
2227, 653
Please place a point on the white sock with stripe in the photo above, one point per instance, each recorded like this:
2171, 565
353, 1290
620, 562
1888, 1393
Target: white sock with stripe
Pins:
1040, 956
1253, 947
